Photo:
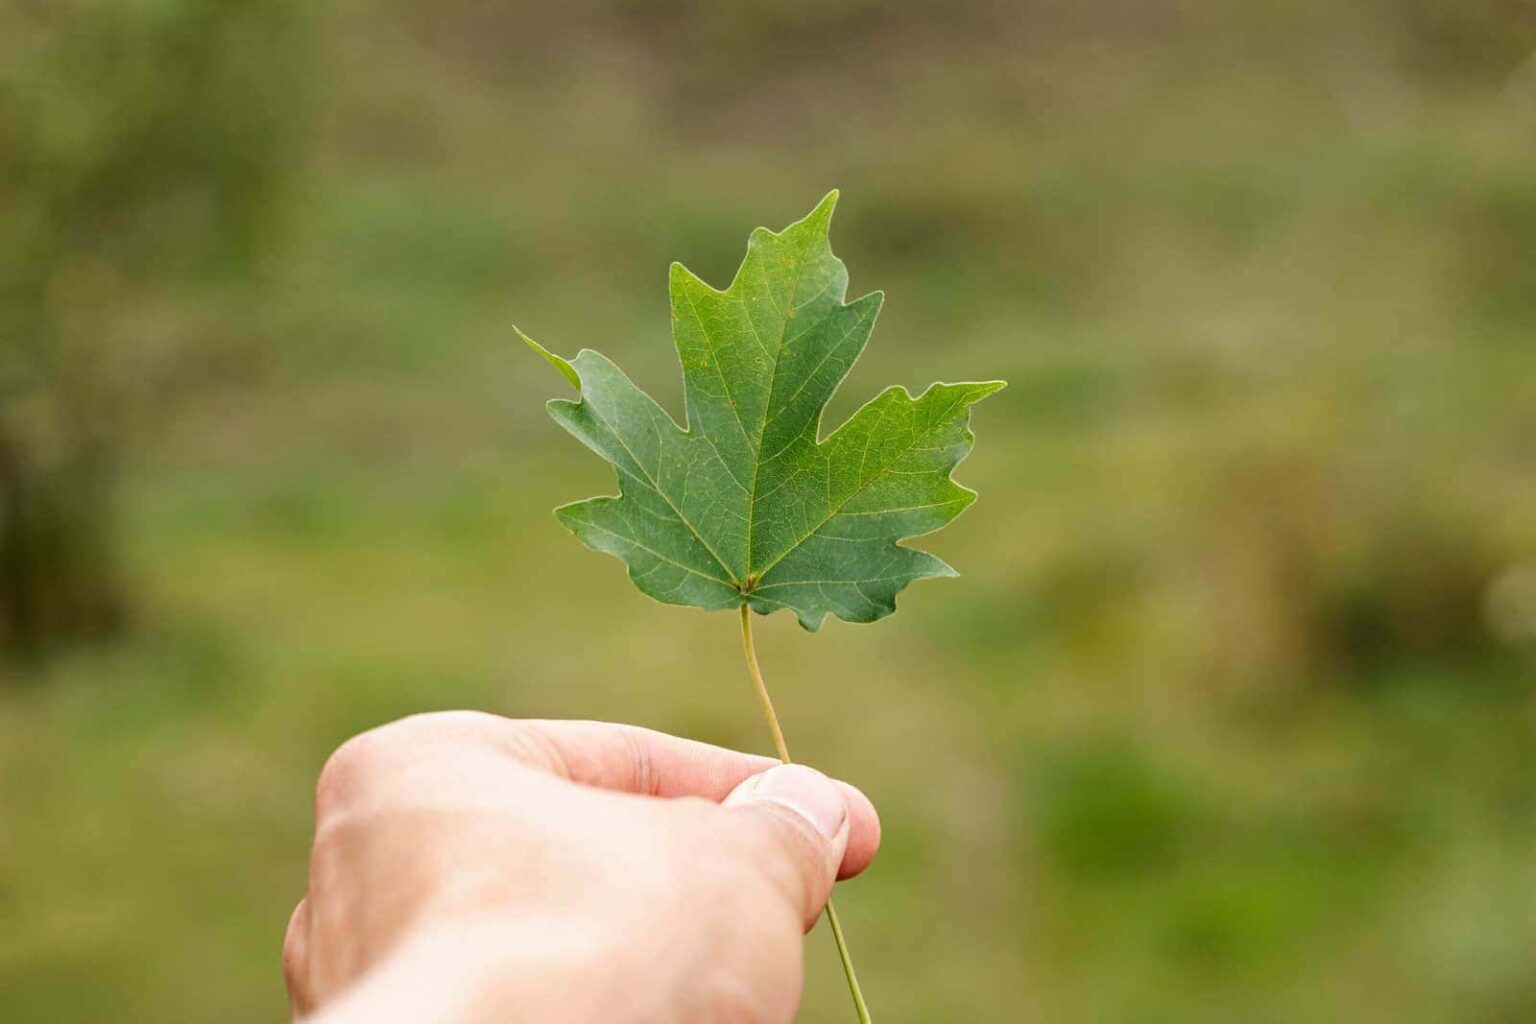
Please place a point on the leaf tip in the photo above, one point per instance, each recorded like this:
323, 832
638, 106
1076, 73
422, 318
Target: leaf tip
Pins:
823, 211
563, 365
818, 221
679, 276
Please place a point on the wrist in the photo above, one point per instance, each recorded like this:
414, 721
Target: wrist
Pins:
487, 974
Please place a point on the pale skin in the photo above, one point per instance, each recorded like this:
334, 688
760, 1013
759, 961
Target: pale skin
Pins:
469, 868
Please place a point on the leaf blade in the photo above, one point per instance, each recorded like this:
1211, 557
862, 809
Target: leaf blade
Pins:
747, 503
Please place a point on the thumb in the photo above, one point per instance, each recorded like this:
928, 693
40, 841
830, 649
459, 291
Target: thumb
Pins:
792, 822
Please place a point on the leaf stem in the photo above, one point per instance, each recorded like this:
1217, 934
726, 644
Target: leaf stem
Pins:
762, 687
783, 751
848, 971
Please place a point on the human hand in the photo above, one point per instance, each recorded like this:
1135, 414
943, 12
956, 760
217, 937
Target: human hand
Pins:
472, 868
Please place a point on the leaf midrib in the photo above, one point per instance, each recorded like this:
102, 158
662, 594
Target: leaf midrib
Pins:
773, 377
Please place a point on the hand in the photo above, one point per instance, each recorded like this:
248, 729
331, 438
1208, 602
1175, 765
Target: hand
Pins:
471, 868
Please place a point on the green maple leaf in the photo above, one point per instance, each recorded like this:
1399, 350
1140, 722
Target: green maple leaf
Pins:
748, 504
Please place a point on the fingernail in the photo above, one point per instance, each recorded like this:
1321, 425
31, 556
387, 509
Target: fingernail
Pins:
803, 790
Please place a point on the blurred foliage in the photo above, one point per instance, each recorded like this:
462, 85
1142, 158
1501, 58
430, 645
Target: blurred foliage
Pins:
142, 148
1231, 716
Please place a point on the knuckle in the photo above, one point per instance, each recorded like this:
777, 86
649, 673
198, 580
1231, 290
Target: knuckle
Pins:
430, 724
647, 780
344, 775
344, 770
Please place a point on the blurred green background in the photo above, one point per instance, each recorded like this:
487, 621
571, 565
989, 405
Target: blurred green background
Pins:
1233, 713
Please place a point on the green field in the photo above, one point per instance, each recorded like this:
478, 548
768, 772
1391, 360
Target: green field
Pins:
1232, 713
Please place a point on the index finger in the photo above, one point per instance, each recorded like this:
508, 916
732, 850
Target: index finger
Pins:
606, 755
633, 759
